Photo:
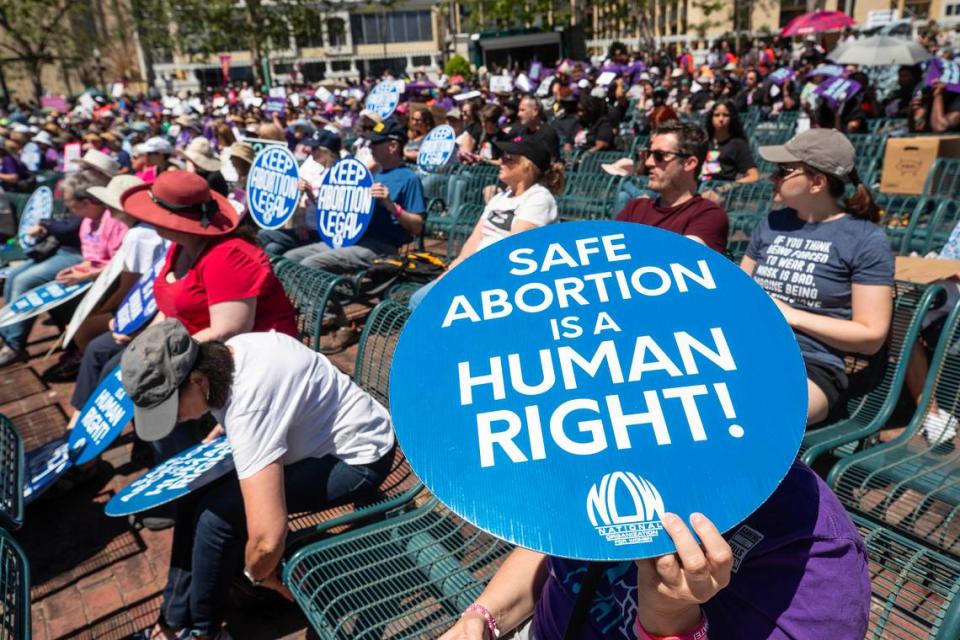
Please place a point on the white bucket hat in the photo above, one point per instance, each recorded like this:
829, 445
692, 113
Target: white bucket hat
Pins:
99, 162
110, 194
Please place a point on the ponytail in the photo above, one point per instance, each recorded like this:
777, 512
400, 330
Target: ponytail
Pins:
861, 204
552, 178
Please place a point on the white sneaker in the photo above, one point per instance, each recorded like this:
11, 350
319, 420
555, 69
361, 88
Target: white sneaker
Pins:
939, 427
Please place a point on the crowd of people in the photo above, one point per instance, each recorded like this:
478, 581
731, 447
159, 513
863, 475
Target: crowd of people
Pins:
158, 182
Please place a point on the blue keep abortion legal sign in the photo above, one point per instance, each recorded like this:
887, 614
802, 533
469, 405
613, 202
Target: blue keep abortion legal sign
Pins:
383, 98
175, 478
437, 148
138, 306
36, 301
102, 418
588, 377
39, 207
344, 203
273, 186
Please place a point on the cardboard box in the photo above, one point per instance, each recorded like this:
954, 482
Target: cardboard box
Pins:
907, 161
926, 270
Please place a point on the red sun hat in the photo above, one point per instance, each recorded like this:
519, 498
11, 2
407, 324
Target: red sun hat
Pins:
181, 201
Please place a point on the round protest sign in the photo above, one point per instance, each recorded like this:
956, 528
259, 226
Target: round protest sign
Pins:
273, 187
36, 301
384, 98
437, 148
344, 203
39, 207
138, 307
586, 378
175, 478
102, 418
45, 465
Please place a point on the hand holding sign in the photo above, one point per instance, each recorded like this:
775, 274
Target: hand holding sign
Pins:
273, 187
641, 386
39, 207
437, 148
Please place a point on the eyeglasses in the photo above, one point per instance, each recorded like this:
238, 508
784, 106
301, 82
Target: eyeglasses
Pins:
661, 157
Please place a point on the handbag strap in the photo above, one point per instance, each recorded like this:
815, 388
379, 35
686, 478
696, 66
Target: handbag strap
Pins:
588, 587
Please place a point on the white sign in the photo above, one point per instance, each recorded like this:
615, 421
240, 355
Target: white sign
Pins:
880, 17
94, 295
501, 84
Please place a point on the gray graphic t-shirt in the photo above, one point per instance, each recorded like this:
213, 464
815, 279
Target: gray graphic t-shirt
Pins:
812, 267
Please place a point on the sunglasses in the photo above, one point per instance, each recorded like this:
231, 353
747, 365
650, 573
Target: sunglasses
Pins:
661, 157
782, 172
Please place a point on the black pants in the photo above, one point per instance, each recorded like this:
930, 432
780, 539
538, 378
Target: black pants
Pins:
99, 359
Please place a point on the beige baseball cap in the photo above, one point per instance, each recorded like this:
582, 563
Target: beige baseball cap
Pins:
825, 150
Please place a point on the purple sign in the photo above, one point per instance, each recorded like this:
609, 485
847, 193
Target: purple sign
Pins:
535, 69
945, 71
781, 76
275, 104
837, 91
57, 103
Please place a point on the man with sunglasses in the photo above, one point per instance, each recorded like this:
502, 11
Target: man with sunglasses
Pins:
672, 163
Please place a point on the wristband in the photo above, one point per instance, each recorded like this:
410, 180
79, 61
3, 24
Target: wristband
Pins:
697, 633
398, 211
493, 630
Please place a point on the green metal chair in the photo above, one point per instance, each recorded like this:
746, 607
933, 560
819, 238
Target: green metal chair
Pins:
311, 291
914, 589
943, 179
409, 576
742, 224
372, 373
590, 162
867, 414
588, 196
901, 213
14, 590
886, 125
464, 220
752, 197
12, 470
930, 228
909, 483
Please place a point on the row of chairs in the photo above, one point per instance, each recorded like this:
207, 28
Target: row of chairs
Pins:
14, 566
410, 574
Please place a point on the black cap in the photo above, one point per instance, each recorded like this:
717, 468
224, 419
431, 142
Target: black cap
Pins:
323, 138
387, 130
531, 146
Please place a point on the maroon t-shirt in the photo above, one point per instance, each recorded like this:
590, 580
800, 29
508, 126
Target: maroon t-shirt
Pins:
695, 217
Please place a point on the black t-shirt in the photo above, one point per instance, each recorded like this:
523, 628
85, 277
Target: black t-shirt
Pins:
600, 130
567, 126
727, 160
486, 148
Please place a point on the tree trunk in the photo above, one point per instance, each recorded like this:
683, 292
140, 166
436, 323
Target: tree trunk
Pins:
255, 48
35, 68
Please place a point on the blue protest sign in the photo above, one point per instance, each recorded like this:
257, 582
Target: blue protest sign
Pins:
436, 148
39, 207
781, 76
103, 417
831, 70
275, 104
45, 465
139, 306
273, 187
585, 378
344, 203
384, 98
837, 91
36, 301
175, 478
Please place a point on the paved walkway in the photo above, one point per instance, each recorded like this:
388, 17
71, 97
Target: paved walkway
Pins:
94, 576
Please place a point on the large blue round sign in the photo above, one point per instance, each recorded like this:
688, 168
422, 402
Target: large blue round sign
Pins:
384, 98
36, 301
138, 306
586, 378
39, 207
436, 148
344, 203
273, 187
107, 411
175, 478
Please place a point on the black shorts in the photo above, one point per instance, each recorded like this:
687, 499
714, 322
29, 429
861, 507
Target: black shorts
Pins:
832, 381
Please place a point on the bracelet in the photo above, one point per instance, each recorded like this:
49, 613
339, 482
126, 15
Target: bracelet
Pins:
492, 629
398, 211
697, 633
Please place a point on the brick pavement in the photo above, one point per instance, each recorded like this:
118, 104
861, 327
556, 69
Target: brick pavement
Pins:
94, 576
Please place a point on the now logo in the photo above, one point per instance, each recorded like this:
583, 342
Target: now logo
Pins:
625, 508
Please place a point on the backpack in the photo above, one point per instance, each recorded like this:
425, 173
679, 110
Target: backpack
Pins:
419, 267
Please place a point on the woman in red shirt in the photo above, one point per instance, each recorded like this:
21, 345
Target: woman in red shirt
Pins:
215, 281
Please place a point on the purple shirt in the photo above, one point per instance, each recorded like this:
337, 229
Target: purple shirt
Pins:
800, 571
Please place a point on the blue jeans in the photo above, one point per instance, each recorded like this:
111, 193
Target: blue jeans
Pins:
25, 277
278, 241
211, 532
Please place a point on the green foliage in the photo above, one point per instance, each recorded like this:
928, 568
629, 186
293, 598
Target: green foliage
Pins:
457, 64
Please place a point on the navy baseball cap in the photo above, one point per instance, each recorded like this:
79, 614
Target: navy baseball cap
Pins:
323, 138
387, 130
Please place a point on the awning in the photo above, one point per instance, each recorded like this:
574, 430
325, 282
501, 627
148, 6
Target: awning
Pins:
525, 40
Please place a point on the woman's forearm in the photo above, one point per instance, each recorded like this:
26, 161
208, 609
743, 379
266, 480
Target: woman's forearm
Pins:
845, 335
514, 590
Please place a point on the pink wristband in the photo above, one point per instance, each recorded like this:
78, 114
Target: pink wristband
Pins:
492, 629
697, 633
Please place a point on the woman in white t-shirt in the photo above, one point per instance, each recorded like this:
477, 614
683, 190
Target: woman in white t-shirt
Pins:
527, 203
303, 437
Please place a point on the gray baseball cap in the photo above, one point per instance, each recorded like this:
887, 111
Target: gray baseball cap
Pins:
152, 369
825, 150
